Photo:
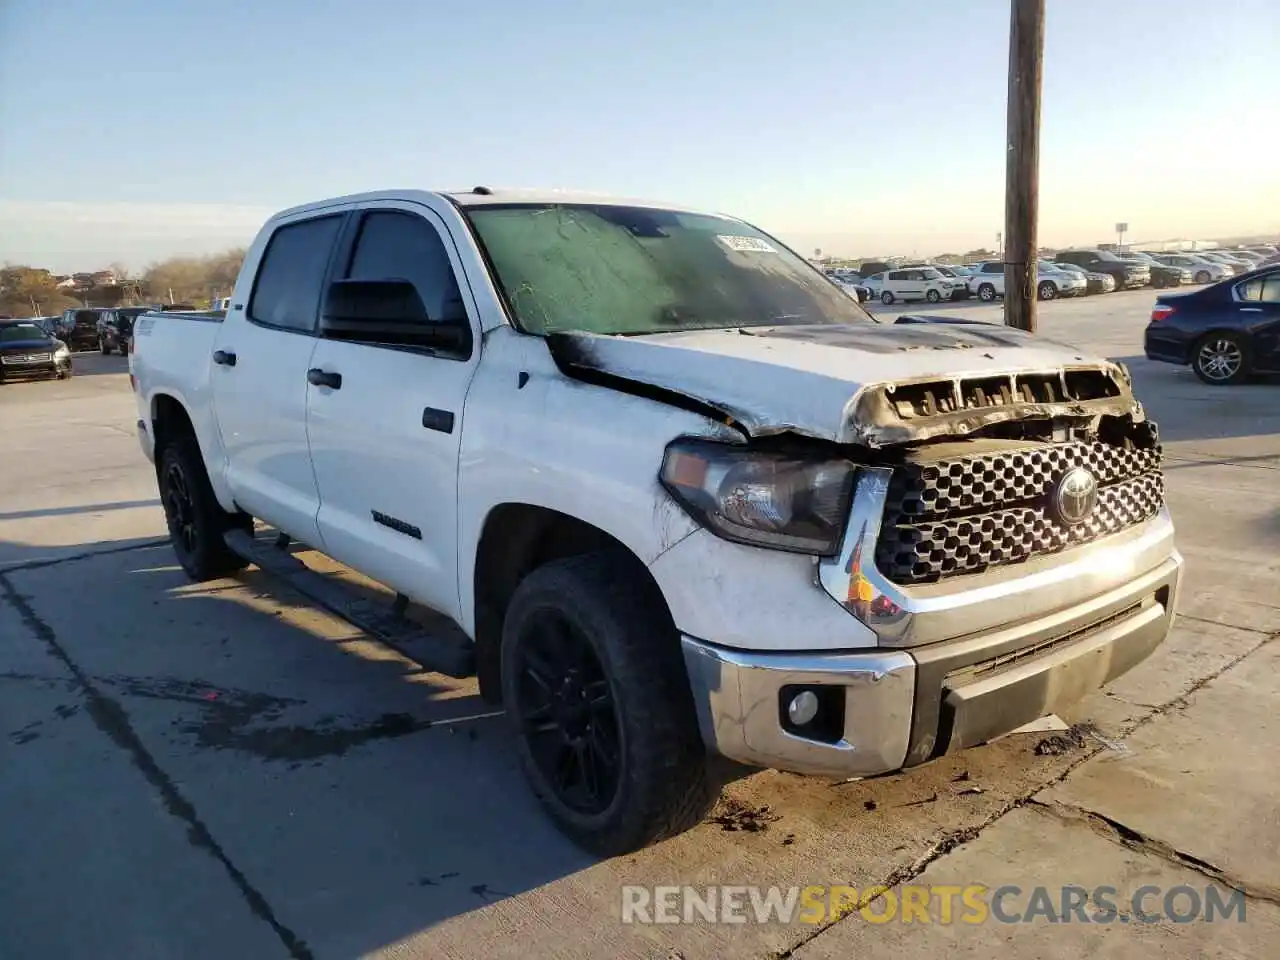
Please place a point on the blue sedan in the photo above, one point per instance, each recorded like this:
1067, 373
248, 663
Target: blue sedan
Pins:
1225, 332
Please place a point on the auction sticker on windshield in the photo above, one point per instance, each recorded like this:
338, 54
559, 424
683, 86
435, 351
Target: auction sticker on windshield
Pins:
746, 244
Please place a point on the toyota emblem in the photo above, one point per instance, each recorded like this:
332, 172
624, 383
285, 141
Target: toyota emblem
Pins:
1075, 496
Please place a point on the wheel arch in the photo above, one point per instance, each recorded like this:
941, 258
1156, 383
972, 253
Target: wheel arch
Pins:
170, 417
515, 539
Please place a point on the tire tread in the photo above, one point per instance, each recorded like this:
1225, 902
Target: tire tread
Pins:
668, 783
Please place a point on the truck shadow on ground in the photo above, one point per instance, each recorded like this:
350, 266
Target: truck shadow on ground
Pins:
363, 798
366, 801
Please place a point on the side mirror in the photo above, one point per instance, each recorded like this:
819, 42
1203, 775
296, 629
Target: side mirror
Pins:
387, 312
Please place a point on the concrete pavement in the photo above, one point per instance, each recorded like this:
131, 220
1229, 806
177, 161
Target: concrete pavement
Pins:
222, 769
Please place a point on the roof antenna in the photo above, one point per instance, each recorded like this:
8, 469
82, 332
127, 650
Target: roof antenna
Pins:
482, 191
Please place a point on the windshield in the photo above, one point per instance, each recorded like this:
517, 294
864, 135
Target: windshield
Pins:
1108, 256
21, 331
630, 270
931, 274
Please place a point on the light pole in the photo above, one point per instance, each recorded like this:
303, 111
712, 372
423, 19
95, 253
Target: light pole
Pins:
1022, 171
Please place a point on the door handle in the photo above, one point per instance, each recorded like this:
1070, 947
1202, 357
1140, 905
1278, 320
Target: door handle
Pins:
224, 358
1250, 309
324, 378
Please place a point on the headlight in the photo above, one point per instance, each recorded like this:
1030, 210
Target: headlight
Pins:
768, 499
62, 351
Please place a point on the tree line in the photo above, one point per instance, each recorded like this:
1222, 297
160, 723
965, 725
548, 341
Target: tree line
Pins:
34, 292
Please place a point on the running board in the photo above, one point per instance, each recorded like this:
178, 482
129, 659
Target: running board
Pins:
443, 650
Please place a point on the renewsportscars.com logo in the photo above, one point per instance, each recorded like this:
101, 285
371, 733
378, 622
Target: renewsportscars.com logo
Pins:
941, 904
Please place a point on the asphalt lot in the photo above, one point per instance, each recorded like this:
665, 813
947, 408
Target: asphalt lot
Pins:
223, 770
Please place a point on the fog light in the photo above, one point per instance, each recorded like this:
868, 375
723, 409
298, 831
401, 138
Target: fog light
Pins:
803, 707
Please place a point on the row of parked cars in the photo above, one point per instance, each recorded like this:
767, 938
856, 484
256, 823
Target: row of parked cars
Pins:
107, 329
1071, 273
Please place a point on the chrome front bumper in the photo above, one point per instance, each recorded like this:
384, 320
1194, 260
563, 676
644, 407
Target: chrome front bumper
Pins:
956, 663
904, 707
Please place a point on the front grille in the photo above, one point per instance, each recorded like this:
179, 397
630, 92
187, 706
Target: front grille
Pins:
963, 515
15, 358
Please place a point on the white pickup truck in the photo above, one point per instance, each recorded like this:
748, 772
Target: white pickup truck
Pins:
684, 498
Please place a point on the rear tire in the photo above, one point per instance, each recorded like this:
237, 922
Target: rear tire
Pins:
102, 345
886, 298
1221, 359
986, 292
195, 519
594, 685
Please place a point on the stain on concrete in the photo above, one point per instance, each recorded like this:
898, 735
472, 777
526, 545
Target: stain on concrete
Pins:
26, 734
1073, 738
733, 816
241, 720
110, 718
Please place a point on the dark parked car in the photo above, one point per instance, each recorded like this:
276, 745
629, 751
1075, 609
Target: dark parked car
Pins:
1097, 282
1126, 274
1162, 274
1225, 332
78, 327
115, 328
26, 350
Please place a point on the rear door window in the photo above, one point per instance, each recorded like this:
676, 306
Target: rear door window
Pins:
286, 293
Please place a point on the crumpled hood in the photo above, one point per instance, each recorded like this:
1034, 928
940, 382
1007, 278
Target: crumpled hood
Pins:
808, 379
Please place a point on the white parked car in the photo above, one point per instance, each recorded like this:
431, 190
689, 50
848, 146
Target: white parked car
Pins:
1203, 270
1051, 281
916, 283
681, 496
1237, 265
852, 286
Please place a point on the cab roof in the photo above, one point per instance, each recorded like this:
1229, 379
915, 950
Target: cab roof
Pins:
488, 196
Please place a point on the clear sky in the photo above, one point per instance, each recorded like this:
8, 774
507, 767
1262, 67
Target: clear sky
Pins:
135, 129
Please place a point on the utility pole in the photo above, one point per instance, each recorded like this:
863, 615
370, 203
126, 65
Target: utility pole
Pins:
1022, 173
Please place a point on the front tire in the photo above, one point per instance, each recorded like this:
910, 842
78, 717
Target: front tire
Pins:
1202, 276
886, 298
195, 519
1047, 290
933, 296
594, 685
102, 346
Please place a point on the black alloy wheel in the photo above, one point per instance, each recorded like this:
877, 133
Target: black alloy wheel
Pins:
568, 713
196, 521
180, 509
